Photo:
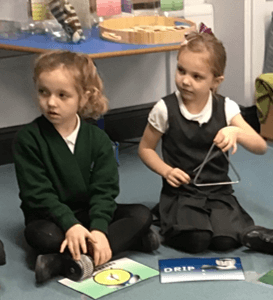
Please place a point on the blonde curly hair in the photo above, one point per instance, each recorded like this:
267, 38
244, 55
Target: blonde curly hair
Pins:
85, 75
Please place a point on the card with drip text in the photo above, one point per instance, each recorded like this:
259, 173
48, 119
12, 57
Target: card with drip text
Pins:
200, 269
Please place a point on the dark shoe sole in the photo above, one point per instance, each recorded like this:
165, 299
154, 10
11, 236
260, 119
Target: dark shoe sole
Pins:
150, 241
47, 266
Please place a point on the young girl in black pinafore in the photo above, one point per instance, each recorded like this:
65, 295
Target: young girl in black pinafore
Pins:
189, 121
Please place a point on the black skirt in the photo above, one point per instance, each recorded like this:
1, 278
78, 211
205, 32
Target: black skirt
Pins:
219, 213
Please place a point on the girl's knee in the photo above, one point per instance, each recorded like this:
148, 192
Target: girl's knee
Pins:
194, 241
198, 242
224, 243
44, 236
142, 213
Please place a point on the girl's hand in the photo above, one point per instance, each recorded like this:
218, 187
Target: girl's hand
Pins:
100, 251
75, 240
175, 177
227, 138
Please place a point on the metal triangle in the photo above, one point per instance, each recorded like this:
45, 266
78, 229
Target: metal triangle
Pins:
206, 160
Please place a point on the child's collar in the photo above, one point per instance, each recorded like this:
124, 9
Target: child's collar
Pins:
203, 116
73, 135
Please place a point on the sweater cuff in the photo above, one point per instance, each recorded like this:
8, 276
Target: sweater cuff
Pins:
99, 224
68, 222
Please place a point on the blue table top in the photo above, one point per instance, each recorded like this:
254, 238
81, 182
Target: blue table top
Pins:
95, 46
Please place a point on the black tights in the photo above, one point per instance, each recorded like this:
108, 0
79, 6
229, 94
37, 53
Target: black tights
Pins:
129, 224
2, 254
196, 241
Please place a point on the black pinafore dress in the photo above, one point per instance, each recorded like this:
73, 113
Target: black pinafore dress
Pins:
213, 208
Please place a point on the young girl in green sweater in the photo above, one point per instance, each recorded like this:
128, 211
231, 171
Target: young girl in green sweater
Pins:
67, 174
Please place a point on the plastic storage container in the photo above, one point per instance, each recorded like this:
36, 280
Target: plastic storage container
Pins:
146, 7
102, 10
173, 8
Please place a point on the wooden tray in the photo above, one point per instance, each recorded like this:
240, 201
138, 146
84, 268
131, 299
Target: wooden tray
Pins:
146, 29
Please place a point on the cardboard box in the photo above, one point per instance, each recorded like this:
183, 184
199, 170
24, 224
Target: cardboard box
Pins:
267, 127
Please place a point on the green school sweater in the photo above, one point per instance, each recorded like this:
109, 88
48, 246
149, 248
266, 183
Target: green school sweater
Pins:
55, 184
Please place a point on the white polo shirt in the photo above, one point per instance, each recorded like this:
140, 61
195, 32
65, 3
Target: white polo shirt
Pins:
158, 117
71, 139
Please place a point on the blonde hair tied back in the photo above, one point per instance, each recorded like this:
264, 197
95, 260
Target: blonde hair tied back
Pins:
199, 42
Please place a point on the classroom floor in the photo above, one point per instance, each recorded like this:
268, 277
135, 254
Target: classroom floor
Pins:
138, 184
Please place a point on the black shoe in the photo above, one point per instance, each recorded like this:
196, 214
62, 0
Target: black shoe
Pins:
2, 254
258, 238
150, 241
156, 215
48, 266
155, 211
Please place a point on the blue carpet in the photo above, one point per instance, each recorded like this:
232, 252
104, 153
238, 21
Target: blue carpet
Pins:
140, 185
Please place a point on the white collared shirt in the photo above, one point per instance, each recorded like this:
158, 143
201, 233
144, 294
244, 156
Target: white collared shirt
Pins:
71, 139
158, 117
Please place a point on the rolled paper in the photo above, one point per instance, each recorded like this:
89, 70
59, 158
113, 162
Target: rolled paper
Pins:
93, 6
126, 6
67, 17
167, 5
39, 10
108, 8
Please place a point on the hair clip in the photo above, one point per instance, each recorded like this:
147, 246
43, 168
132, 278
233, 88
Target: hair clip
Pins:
203, 28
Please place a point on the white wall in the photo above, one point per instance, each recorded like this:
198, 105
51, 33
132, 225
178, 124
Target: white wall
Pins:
129, 80
16, 91
14, 10
229, 28
142, 79
242, 26
262, 15
133, 80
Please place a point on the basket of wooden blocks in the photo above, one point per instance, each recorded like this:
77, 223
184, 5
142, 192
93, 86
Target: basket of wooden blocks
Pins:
146, 29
